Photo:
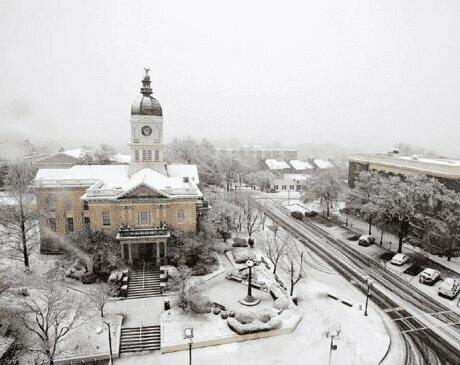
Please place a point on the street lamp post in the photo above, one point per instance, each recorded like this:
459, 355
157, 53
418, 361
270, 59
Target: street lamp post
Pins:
369, 283
188, 334
249, 299
99, 330
334, 335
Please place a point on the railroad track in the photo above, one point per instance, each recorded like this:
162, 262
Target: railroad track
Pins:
429, 329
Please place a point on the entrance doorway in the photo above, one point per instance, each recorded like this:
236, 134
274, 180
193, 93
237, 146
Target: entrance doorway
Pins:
147, 252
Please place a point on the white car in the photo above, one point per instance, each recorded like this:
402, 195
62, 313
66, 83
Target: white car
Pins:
429, 276
399, 259
449, 288
366, 240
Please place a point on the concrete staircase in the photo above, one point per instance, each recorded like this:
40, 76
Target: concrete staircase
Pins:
144, 282
137, 339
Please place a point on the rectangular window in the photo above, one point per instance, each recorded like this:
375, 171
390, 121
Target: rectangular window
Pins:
87, 223
51, 203
143, 218
161, 209
68, 204
85, 205
136, 156
144, 155
157, 155
149, 155
69, 224
291, 187
275, 187
180, 216
52, 224
283, 187
105, 218
298, 187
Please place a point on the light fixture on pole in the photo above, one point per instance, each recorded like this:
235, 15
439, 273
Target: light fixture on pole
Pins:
333, 335
369, 283
188, 334
99, 330
249, 299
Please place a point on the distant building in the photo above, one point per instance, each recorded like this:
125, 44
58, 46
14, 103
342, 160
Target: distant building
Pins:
59, 160
446, 170
290, 182
258, 153
137, 202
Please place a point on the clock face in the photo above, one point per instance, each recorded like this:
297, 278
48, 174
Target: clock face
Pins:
146, 130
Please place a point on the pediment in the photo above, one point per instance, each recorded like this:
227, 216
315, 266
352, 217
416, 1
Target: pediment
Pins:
142, 191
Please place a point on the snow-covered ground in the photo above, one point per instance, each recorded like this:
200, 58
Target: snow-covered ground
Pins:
390, 243
363, 340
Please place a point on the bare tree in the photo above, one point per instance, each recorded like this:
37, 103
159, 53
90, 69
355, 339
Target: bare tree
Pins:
50, 315
294, 269
324, 187
274, 249
18, 216
99, 295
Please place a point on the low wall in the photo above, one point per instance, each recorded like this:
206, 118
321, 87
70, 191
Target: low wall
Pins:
184, 345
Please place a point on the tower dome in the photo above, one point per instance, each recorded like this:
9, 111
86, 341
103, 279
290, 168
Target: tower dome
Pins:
146, 104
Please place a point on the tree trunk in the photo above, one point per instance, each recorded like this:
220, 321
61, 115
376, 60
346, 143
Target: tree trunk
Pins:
401, 236
24, 244
381, 238
327, 210
292, 286
370, 226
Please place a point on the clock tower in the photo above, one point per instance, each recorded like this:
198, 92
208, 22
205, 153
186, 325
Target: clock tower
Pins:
147, 149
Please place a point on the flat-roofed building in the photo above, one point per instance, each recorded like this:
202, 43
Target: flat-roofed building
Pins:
446, 170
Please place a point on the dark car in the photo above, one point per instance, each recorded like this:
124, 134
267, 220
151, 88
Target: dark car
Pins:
297, 215
311, 214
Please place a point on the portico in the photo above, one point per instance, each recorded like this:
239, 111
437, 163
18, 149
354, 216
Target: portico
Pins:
143, 244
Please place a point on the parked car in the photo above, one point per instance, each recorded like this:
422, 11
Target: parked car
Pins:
366, 240
429, 276
311, 214
297, 215
399, 259
449, 288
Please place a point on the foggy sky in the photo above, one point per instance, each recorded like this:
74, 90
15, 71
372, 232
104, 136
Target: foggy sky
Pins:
356, 73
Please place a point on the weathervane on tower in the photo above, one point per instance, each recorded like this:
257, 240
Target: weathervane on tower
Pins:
146, 71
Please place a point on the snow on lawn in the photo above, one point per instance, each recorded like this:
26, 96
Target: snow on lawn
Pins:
85, 343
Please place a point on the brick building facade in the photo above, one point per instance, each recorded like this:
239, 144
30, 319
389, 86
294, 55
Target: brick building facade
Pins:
136, 203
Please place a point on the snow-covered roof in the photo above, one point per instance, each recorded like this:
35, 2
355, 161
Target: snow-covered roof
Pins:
300, 165
296, 177
121, 158
179, 170
437, 166
323, 164
276, 165
75, 153
113, 181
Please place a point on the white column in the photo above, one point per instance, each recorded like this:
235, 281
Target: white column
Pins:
130, 260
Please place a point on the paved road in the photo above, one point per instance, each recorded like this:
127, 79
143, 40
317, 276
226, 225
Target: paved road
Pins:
421, 320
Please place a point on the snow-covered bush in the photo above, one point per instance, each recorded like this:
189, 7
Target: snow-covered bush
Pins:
200, 305
245, 317
265, 320
240, 242
241, 255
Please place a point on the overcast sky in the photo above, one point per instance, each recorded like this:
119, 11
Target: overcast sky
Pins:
367, 73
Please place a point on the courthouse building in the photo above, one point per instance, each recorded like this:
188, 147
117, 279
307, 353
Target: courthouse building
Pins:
137, 203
